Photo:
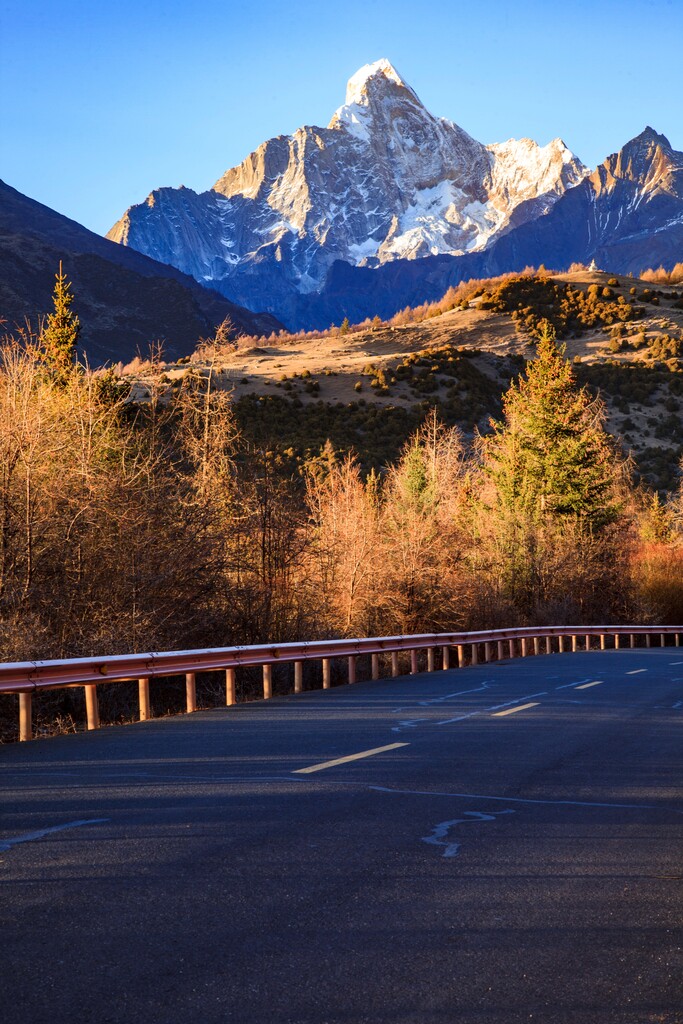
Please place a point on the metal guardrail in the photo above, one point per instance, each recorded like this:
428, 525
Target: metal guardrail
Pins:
29, 677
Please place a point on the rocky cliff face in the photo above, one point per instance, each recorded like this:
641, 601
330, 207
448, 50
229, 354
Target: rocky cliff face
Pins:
627, 215
385, 181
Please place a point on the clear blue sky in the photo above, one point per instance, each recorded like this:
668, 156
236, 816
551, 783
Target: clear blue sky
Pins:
103, 101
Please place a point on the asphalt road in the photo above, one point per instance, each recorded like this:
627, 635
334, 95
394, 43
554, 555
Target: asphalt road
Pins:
507, 863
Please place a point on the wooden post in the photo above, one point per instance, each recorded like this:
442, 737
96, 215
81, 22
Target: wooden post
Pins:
190, 692
511, 646
587, 644
574, 642
662, 640
143, 695
548, 645
488, 652
267, 682
602, 641
678, 639
298, 676
617, 641
25, 717
524, 647
445, 658
501, 650
648, 640
230, 688
352, 668
375, 666
631, 640
394, 664
537, 645
92, 711
430, 659
413, 662
326, 673
461, 656
475, 654
560, 643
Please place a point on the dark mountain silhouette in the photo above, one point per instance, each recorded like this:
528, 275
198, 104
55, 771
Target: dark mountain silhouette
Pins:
125, 300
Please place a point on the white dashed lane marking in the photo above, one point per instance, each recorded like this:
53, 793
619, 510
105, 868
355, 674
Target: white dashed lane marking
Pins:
635, 671
512, 711
567, 686
350, 757
586, 686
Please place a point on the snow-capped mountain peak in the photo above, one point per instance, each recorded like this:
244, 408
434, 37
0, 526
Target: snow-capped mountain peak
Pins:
385, 180
376, 93
374, 77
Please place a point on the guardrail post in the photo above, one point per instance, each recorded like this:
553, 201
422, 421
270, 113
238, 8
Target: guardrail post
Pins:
352, 668
662, 639
298, 676
413, 662
475, 654
511, 647
560, 644
430, 659
267, 682
230, 689
394, 664
587, 644
190, 692
461, 656
548, 645
648, 640
143, 696
445, 658
537, 645
602, 641
25, 717
524, 647
326, 673
617, 642
92, 712
501, 650
678, 639
374, 660
488, 652
632, 640
574, 642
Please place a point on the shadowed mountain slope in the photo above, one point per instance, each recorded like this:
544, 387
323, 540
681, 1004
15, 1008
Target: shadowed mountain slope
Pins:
125, 300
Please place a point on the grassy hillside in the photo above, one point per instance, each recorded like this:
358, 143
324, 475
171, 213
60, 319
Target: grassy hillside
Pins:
367, 387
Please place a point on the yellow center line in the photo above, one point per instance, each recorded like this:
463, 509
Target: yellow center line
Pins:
585, 686
512, 711
350, 757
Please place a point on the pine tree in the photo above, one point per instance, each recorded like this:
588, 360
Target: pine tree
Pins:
551, 458
60, 336
552, 488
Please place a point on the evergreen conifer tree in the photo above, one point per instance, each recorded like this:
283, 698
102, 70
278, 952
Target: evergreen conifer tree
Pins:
551, 458
553, 481
60, 336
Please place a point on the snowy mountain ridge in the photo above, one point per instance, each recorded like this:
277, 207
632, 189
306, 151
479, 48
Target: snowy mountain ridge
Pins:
385, 180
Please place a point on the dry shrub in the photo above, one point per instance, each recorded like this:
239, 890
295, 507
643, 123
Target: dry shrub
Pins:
662, 276
658, 578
